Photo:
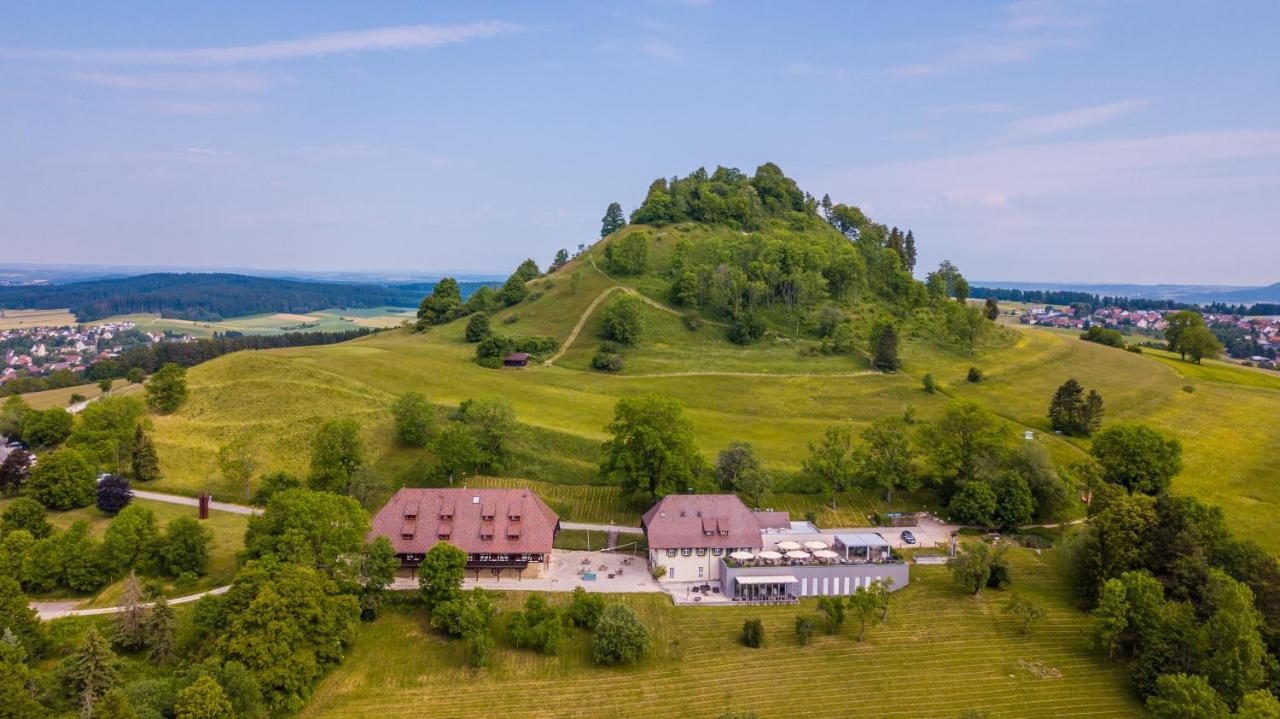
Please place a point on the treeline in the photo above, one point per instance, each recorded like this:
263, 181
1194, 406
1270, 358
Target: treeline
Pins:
205, 296
188, 354
1072, 297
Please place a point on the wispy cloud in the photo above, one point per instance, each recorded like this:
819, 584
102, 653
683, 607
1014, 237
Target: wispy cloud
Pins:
401, 37
972, 108
1041, 15
1077, 119
204, 107
187, 82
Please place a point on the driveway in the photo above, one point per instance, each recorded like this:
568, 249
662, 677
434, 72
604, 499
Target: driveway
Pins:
930, 533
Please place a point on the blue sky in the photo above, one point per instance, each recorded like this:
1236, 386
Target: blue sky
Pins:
1118, 141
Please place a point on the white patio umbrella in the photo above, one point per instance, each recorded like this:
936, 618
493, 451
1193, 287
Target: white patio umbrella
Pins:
815, 545
788, 546
769, 554
826, 554
797, 554
742, 556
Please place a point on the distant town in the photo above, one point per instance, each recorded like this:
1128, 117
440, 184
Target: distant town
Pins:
42, 352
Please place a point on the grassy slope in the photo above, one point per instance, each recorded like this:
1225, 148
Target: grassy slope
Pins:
62, 397
331, 320
228, 541
940, 652
277, 398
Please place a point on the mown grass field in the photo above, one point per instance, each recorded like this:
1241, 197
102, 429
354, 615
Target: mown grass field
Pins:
19, 319
62, 397
228, 541
771, 394
330, 320
941, 652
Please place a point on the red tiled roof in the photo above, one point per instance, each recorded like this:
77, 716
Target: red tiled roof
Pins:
770, 519
477, 521
702, 520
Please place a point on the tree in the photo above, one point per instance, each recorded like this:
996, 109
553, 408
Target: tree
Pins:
25, 513
585, 608
613, 220
1258, 704
1136, 457
315, 529
991, 309
186, 546
159, 631
1093, 412
753, 633
1049, 492
539, 626
63, 480
132, 617
1183, 696
132, 541
114, 705
92, 671
971, 567
805, 626
440, 574
620, 637
469, 616
628, 255
884, 347
832, 461
1199, 342
456, 451
928, 383
884, 458
738, 469
561, 259
623, 320
135, 375
966, 437
865, 605
832, 609
114, 494
104, 385
18, 620
441, 305
49, 428
1176, 325
975, 504
236, 464
514, 290
1066, 409
142, 457
961, 289
1237, 656
336, 453
478, 327
14, 471
413, 419
167, 388
287, 624
378, 565
203, 699
1024, 610
493, 421
652, 449
1110, 618
104, 428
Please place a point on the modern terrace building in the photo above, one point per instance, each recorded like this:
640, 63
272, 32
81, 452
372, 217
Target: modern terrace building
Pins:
506, 533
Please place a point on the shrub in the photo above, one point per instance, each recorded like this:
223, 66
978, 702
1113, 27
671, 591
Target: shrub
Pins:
585, 608
623, 321
620, 637
1134, 349
536, 344
1188, 388
805, 626
495, 347
76, 398
975, 375
692, 321
1103, 336
753, 633
607, 362
747, 328
929, 385
478, 327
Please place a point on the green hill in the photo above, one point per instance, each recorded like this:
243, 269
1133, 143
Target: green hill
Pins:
778, 392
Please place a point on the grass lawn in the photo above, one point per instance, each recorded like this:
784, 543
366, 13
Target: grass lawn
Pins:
591, 540
228, 541
941, 652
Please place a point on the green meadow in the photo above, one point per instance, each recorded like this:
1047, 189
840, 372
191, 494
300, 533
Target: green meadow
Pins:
329, 320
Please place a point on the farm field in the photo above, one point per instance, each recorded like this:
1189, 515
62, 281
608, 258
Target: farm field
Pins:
940, 653
62, 397
228, 541
19, 319
330, 320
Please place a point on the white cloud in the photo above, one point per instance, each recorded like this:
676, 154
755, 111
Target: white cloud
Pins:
1075, 119
402, 37
188, 82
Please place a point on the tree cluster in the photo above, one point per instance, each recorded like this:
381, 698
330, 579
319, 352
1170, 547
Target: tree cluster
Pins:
1073, 413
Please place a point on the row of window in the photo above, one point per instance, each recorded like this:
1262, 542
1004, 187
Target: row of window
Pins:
701, 551
508, 557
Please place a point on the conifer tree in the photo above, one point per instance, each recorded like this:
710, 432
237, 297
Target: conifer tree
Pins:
132, 617
1066, 410
613, 220
1093, 412
909, 251
884, 347
159, 629
92, 671
143, 460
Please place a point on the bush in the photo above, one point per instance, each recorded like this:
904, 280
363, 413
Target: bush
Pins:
25, 513
929, 385
692, 321
1134, 349
747, 328
620, 637
536, 344
623, 320
478, 327
753, 633
1103, 336
495, 347
607, 362
805, 626
975, 375
585, 608
76, 398
1188, 388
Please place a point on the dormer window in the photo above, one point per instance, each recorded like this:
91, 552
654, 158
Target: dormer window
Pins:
443, 536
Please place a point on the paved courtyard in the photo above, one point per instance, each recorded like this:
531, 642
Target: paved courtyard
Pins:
563, 575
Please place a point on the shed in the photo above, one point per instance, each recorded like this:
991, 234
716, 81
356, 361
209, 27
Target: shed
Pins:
516, 359
868, 546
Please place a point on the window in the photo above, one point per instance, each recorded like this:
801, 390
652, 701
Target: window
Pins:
406, 535
686, 552
699, 572
444, 537
717, 551
671, 552
702, 552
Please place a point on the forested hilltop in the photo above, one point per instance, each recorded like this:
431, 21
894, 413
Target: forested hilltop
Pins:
208, 297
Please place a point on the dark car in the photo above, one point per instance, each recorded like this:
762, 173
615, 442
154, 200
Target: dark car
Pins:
908, 537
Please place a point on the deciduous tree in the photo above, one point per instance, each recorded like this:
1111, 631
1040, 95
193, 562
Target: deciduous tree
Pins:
167, 388
336, 453
63, 480
620, 637
613, 221
884, 457
1136, 457
413, 418
440, 574
652, 450
832, 460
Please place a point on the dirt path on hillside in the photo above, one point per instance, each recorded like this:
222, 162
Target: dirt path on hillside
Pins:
578, 327
780, 375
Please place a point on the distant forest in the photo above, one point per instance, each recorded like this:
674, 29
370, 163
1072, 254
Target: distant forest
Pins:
1067, 297
209, 297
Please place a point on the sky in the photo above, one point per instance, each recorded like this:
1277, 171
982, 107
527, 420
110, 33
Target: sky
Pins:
1119, 141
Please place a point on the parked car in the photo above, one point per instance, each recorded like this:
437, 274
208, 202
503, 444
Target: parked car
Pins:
908, 537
